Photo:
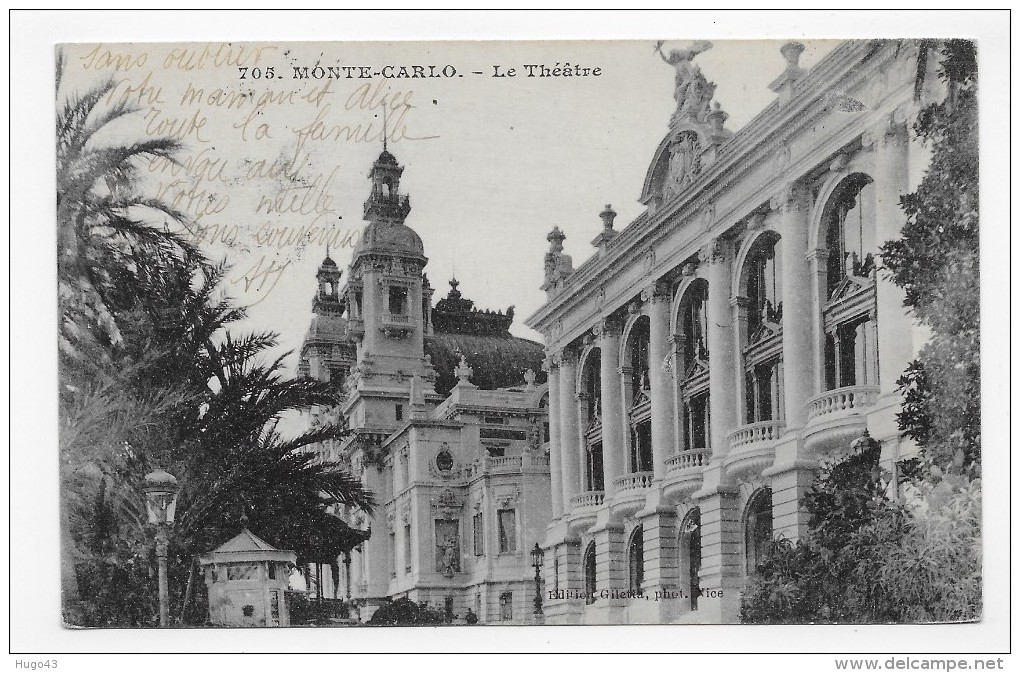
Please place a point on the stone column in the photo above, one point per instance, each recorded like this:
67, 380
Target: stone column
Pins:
721, 575
817, 260
570, 443
793, 204
613, 462
661, 561
740, 336
895, 345
675, 382
663, 411
555, 465
721, 356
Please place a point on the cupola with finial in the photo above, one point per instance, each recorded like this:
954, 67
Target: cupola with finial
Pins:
385, 202
327, 297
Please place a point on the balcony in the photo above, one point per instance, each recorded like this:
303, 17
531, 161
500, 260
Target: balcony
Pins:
396, 325
683, 473
752, 447
501, 464
630, 492
837, 417
584, 510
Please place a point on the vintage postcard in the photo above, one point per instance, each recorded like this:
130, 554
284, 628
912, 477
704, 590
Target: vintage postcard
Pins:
675, 331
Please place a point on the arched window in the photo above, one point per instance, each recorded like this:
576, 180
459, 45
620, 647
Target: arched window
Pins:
387, 187
636, 560
850, 231
849, 318
694, 391
591, 386
638, 347
762, 311
764, 293
758, 528
640, 397
589, 574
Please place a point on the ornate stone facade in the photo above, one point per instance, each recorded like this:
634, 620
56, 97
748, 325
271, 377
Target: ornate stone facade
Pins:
456, 457
756, 339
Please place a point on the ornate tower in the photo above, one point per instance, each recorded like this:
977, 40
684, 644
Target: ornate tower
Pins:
328, 350
385, 295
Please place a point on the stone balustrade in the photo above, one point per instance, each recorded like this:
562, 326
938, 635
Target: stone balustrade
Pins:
850, 398
635, 480
688, 460
588, 499
754, 434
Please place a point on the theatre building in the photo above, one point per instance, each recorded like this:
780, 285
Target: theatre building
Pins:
449, 418
714, 349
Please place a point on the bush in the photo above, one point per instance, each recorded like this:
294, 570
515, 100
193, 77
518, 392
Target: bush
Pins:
404, 611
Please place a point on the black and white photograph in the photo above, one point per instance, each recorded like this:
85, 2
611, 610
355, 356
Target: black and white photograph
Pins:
681, 330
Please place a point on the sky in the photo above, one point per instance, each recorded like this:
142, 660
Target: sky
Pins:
492, 164
571, 166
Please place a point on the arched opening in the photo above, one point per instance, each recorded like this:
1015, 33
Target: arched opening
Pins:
758, 528
640, 415
636, 560
690, 551
387, 188
591, 400
850, 231
589, 574
761, 309
849, 319
694, 389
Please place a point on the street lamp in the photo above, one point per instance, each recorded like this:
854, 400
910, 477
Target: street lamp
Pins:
537, 557
160, 503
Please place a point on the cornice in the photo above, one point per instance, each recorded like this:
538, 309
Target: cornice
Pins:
744, 152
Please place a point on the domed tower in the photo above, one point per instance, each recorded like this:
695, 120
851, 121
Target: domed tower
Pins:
328, 350
385, 297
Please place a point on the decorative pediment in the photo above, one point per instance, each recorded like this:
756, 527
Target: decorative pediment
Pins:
849, 287
764, 332
696, 368
448, 504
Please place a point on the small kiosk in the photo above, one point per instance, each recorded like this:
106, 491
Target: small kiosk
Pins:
247, 578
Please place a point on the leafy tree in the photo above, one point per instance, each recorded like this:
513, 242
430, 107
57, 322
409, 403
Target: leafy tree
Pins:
867, 558
151, 376
936, 261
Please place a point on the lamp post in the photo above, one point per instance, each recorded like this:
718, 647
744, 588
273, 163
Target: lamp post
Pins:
161, 502
537, 557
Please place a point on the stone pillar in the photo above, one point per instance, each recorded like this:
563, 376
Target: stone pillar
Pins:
789, 518
679, 366
570, 443
793, 203
817, 260
376, 547
721, 356
892, 158
661, 557
610, 574
739, 306
722, 574
663, 411
555, 464
612, 404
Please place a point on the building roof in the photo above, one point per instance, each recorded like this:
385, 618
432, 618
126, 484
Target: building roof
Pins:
246, 547
245, 541
496, 361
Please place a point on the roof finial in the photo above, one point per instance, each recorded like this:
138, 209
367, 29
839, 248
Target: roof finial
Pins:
384, 126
